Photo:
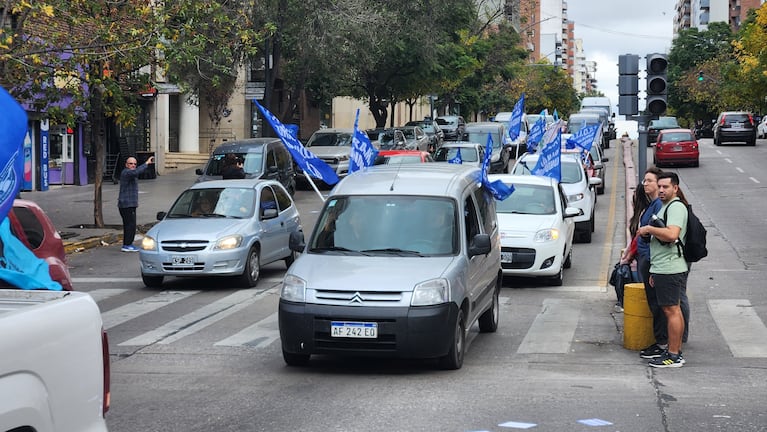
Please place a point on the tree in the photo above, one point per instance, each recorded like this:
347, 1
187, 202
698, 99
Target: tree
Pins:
752, 59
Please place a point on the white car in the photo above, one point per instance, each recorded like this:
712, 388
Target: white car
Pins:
536, 228
761, 130
578, 186
471, 153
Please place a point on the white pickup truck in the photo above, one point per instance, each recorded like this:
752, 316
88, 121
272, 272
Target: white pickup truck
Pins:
54, 362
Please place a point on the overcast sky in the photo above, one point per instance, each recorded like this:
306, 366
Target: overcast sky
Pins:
611, 28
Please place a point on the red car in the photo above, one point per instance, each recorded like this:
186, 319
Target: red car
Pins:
676, 147
402, 156
31, 225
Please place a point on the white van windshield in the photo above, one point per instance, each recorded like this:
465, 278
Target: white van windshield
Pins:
390, 225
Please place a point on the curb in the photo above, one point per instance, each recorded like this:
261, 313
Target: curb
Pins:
91, 242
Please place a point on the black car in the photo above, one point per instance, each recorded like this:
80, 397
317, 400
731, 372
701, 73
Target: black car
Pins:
658, 125
735, 126
453, 127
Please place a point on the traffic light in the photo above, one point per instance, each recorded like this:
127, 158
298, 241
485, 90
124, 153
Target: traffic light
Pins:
628, 84
657, 86
700, 76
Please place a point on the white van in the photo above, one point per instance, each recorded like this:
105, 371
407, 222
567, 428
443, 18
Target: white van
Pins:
401, 263
603, 104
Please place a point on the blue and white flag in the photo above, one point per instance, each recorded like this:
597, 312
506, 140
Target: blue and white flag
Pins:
308, 161
549, 160
13, 129
515, 122
536, 133
363, 154
584, 138
499, 189
556, 115
457, 158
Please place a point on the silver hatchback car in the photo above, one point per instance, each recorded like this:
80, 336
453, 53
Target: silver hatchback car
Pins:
221, 228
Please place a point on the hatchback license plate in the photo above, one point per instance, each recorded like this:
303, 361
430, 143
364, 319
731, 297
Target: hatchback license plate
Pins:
347, 329
507, 257
183, 260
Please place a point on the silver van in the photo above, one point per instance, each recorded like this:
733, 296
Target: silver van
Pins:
502, 145
402, 261
263, 158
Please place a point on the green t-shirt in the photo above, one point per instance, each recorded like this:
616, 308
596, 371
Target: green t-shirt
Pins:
665, 259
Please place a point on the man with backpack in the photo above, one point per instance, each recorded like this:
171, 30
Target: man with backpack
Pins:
668, 267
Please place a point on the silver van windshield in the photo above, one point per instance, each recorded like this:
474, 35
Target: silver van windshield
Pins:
387, 225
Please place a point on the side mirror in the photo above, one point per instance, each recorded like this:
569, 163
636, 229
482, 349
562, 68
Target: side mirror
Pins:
269, 213
598, 166
296, 241
605, 159
595, 181
198, 171
573, 212
480, 245
161, 215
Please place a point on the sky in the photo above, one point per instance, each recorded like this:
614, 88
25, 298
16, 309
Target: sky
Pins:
614, 27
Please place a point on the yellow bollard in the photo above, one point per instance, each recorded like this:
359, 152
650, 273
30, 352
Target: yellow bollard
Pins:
637, 318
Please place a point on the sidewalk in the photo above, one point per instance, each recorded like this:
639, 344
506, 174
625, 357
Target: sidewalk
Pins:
70, 208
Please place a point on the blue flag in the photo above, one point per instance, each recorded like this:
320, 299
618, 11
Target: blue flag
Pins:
556, 115
536, 133
584, 138
457, 158
363, 154
13, 129
308, 161
499, 189
549, 161
515, 122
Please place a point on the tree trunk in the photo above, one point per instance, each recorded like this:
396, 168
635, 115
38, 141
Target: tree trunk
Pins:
98, 130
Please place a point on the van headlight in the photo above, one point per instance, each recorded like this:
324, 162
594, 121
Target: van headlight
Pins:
293, 289
546, 235
435, 291
228, 242
148, 243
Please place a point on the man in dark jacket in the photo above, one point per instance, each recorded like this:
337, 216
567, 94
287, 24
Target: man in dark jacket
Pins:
232, 168
127, 200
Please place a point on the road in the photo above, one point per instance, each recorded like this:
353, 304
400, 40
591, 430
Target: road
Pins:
199, 355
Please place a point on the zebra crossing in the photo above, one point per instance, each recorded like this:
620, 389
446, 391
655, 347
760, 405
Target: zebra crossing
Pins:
552, 331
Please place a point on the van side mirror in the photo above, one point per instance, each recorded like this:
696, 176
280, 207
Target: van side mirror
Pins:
161, 215
480, 245
296, 241
198, 171
272, 169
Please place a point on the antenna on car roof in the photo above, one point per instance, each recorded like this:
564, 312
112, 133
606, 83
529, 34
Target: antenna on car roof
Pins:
396, 174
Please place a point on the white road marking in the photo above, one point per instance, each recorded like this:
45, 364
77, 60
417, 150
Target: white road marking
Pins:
553, 329
105, 279
741, 327
740, 170
754, 180
135, 309
105, 293
199, 319
260, 334
728, 160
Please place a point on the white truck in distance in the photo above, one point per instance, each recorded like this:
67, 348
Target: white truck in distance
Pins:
54, 362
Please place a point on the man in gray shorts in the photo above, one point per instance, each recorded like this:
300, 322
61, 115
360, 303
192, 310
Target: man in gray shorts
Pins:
668, 268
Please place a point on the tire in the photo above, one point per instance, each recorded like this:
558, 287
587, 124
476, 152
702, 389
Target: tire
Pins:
593, 223
568, 259
558, 279
696, 164
290, 259
586, 236
152, 281
294, 359
454, 358
252, 270
717, 142
753, 142
488, 321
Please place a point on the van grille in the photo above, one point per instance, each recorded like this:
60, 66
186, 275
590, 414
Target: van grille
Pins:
358, 298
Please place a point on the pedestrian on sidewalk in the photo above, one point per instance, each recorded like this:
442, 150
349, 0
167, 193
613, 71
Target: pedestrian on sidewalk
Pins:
668, 268
127, 200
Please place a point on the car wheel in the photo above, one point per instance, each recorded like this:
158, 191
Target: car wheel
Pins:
454, 358
593, 222
717, 142
753, 142
488, 321
291, 259
601, 189
294, 359
252, 270
696, 163
568, 259
558, 279
152, 281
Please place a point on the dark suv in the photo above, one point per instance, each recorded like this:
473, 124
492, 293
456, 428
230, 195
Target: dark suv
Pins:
735, 126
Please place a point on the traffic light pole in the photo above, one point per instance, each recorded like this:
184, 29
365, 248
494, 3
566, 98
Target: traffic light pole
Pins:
642, 124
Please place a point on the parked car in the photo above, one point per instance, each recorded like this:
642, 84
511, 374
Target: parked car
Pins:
452, 125
735, 126
676, 147
433, 131
761, 130
600, 170
578, 187
333, 146
471, 153
502, 151
536, 227
411, 287
247, 226
658, 125
416, 138
31, 226
264, 158
387, 138
402, 157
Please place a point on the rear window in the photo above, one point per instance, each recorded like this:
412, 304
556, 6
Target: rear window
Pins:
447, 153
330, 139
32, 227
676, 137
736, 118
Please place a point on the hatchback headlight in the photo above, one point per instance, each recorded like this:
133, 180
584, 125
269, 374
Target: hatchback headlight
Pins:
575, 197
228, 242
545, 235
148, 243
435, 291
293, 289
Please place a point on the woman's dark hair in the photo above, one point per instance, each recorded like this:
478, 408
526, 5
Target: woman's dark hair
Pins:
641, 201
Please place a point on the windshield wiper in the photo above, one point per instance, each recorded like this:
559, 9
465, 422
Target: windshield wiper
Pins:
334, 249
394, 251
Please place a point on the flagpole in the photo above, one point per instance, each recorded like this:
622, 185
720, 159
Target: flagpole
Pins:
314, 186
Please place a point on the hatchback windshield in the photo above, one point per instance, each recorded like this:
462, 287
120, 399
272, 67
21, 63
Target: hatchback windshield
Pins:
339, 139
387, 225
468, 154
252, 163
528, 199
219, 202
572, 172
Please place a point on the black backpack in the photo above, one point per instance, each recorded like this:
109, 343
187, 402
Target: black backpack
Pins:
694, 245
